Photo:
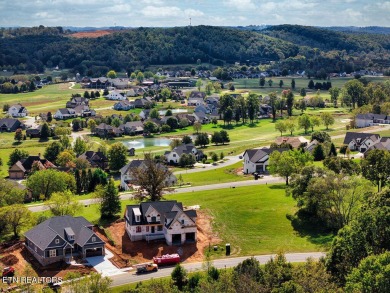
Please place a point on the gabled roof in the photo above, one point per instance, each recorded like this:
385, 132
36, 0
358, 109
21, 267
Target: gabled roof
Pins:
94, 156
350, 136
131, 165
260, 155
10, 123
44, 233
295, 142
183, 149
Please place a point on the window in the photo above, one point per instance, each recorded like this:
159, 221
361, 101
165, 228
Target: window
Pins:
71, 237
52, 253
57, 241
182, 222
138, 229
137, 219
93, 239
147, 228
159, 228
174, 155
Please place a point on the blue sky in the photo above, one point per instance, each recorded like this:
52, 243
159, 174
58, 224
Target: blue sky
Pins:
132, 13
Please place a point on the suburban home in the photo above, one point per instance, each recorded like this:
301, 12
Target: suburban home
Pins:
133, 128
84, 111
115, 95
23, 167
369, 119
127, 179
195, 101
10, 125
144, 114
17, 110
382, 144
62, 238
311, 145
77, 101
358, 141
295, 142
34, 132
120, 83
161, 220
124, 105
96, 159
173, 157
65, 113
143, 102
257, 160
98, 83
105, 130
201, 117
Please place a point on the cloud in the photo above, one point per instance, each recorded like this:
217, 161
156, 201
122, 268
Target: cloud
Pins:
193, 12
240, 4
153, 2
165, 11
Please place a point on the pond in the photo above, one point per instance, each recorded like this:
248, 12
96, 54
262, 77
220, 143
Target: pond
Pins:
140, 143
174, 111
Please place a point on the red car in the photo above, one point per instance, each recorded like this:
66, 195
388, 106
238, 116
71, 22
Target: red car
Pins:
8, 272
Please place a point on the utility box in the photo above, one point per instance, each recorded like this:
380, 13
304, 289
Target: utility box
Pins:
227, 249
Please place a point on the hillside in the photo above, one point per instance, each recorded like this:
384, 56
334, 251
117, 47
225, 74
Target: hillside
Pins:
295, 47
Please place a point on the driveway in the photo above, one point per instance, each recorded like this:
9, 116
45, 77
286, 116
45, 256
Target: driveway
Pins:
103, 265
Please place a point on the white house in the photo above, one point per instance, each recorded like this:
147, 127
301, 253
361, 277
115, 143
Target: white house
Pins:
65, 113
358, 141
161, 220
257, 160
17, 110
173, 157
115, 95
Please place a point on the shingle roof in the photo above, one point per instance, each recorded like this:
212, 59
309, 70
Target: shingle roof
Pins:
131, 165
349, 136
257, 155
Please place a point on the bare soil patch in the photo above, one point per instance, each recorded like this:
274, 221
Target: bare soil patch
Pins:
93, 34
127, 252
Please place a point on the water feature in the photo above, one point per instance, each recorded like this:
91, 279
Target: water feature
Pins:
174, 111
140, 143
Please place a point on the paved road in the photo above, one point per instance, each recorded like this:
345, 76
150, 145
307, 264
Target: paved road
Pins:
124, 196
206, 167
131, 277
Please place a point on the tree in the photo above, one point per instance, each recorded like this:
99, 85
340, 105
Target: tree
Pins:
288, 162
376, 167
186, 139
253, 106
172, 122
304, 122
154, 114
290, 125
53, 150
314, 121
262, 81
342, 166
320, 136
209, 87
187, 160
175, 143
281, 83
117, 156
280, 126
10, 195
372, 275
140, 77
311, 84
76, 124
272, 103
293, 84
179, 276
353, 90
327, 119
63, 203
216, 138
45, 131
18, 217
224, 136
197, 127
87, 95
111, 74
80, 146
332, 152
228, 115
270, 82
153, 177
110, 204
199, 84
334, 94
202, 139
6, 107
289, 102
18, 134
318, 153
17, 155
44, 183
302, 92
168, 113
65, 159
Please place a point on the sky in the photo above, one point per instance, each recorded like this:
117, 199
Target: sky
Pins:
168, 13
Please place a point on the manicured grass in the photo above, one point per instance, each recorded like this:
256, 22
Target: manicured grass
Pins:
254, 220
220, 175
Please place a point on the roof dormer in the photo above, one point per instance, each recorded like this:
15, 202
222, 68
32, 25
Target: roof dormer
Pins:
69, 233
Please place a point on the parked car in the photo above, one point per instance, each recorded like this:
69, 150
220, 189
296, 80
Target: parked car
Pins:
146, 268
8, 272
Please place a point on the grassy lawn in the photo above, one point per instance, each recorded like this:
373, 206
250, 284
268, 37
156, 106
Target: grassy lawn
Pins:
254, 220
220, 175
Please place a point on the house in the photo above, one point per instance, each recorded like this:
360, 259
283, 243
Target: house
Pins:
96, 159
369, 119
62, 238
199, 95
64, 113
84, 111
120, 83
257, 160
382, 144
359, 141
124, 105
127, 179
161, 220
133, 128
10, 125
295, 142
116, 95
195, 101
105, 130
34, 132
173, 157
98, 83
77, 101
311, 145
26, 191
144, 114
23, 167
17, 110
201, 117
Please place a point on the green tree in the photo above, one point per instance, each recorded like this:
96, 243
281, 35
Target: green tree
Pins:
376, 167
320, 136
17, 155
252, 106
314, 121
53, 150
65, 159
262, 81
293, 84
111, 74
80, 146
202, 139
179, 276
168, 113
281, 126
209, 87
216, 138
45, 182
197, 127
273, 99
289, 102
224, 136
270, 82
45, 131
63, 203
110, 204
281, 83
353, 90
10, 195
154, 114
302, 92
341, 166
140, 77
318, 153
288, 162
327, 119
290, 125
199, 84
18, 134
304, 122
186, 139
311, 84
18, 217
117, 155
334, 95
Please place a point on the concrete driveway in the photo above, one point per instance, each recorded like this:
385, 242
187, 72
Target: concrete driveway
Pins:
103, 265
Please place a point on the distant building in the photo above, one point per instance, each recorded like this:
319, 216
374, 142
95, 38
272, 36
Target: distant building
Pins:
257, 160
17, 110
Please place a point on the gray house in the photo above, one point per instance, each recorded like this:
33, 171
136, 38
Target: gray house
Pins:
61, 238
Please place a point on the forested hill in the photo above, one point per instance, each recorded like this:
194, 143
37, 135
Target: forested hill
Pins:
32, 49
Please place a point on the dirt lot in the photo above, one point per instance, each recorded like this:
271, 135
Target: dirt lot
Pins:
93, 34
127, 252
